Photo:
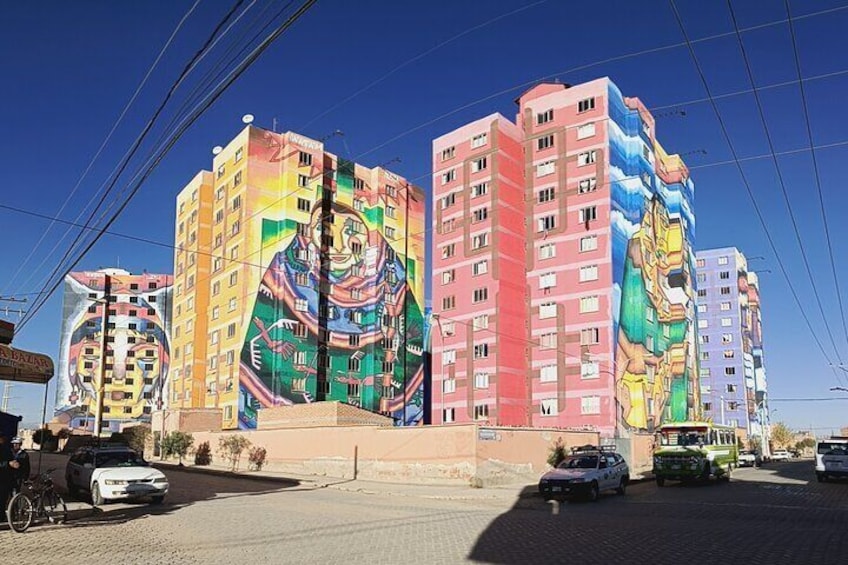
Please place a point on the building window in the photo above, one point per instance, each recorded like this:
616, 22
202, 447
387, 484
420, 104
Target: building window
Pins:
546, 223
303, 205
725, 275
705, 355
726, 322
545, 142
233, 279
481, 380
480, 214
548, 340
587, 185
547, 280
239, 154
480, 164
544, 117
590, 370
586, 130
448, 251
546, 194
300, 304
479, 140
302, 181
589, 273
727, 338
480, 241
480, 267
730, 371
480, 295
304, 159
729, 354
479, 189
480, 322
548, 373
449, 357
590, 336
448, 200
703, 324
730, 388
547, 310
702, 292
548, 406
546, 168
481, 412
390, 232
586, 105
702, 308
448, 176
725, 290
588, 214
448, 153
588, 243
722, 260
448, 302
700, 263
589, 304
236, 227
704, 339
547, 251
708, 406
590, 405
448, 415
587, 158
448, 276
725, 306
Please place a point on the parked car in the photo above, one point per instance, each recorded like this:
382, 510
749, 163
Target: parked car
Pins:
112, 473
747, 459
780, 455
832, 458
587, 472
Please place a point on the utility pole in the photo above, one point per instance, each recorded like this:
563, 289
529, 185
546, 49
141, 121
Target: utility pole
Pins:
101, 378
7, 389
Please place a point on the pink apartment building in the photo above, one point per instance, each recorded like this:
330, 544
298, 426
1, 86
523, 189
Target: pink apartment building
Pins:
561, 258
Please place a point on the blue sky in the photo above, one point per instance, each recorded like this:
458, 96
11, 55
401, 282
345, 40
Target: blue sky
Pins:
69, 68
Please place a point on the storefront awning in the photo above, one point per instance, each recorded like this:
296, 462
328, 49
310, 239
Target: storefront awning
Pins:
24, 366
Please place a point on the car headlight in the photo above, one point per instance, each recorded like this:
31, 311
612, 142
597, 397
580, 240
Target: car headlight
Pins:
161, 480
579, 480
657, 460
115, 482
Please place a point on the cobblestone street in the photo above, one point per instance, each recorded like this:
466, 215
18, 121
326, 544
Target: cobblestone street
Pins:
774, 515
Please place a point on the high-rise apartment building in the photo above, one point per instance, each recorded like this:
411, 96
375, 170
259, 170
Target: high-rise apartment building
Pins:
115, 335
734, 389
299, 277
589, 319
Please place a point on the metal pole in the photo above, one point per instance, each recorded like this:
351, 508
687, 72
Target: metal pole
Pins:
722, 410
405, 298
101, 379
43, 420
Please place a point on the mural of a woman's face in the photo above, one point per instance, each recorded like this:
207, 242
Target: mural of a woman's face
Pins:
349, 238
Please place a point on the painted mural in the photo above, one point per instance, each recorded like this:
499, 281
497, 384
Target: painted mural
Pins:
338, 310
137, 348
653, 259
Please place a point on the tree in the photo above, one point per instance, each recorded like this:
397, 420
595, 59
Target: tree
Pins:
781, 435
556, 453
806, 443
137, 436
42, 437
177, 443
755, 444
231, 447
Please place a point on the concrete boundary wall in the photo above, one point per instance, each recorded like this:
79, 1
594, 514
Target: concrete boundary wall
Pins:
455, 454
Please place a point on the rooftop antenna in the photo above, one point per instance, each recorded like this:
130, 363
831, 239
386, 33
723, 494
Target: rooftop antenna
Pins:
247, 119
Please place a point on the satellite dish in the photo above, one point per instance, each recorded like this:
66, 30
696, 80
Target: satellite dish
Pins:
217, 149
247, 118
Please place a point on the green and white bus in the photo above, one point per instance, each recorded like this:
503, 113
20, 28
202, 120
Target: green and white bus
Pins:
687, 451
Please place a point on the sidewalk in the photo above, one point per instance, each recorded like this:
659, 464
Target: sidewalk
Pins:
434, 492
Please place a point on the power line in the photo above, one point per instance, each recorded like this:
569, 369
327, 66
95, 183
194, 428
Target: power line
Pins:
85, 172
748, 189
235, 74
805, 106
781, 181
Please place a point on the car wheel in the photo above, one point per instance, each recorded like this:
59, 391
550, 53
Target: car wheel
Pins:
156, 499
660, 482
622, 486
96, 498
594, 493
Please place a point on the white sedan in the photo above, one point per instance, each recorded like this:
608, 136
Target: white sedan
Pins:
114, 473
780, 455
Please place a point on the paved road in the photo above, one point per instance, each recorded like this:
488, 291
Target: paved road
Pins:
768, 516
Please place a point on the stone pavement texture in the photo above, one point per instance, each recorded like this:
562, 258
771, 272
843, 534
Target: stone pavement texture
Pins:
777, 515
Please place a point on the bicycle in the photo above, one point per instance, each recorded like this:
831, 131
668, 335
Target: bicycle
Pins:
36, 499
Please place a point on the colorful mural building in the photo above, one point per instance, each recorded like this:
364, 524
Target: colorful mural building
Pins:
129, 316
563, 293
734, 389
299, 277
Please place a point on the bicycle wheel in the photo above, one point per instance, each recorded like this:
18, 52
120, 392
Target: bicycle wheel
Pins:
19, 512
54, 508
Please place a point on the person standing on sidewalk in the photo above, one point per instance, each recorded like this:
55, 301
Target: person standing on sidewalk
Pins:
8, 471
22, 458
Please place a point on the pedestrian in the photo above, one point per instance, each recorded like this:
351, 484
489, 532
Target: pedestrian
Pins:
22, 458
8, 471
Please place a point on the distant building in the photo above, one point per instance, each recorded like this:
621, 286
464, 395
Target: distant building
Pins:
734, 388
562, 268
130, 315
299, 277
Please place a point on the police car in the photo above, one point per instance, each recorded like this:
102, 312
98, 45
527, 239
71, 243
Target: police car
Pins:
587, 472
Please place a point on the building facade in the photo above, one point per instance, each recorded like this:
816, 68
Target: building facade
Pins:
129, 315
734, 388
299, 277
594, 231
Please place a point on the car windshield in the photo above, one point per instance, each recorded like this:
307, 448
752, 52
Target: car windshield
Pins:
684, 437
833, 448
120, 459
580, 462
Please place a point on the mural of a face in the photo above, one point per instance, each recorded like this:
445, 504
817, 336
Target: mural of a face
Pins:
348, 233
653, 336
